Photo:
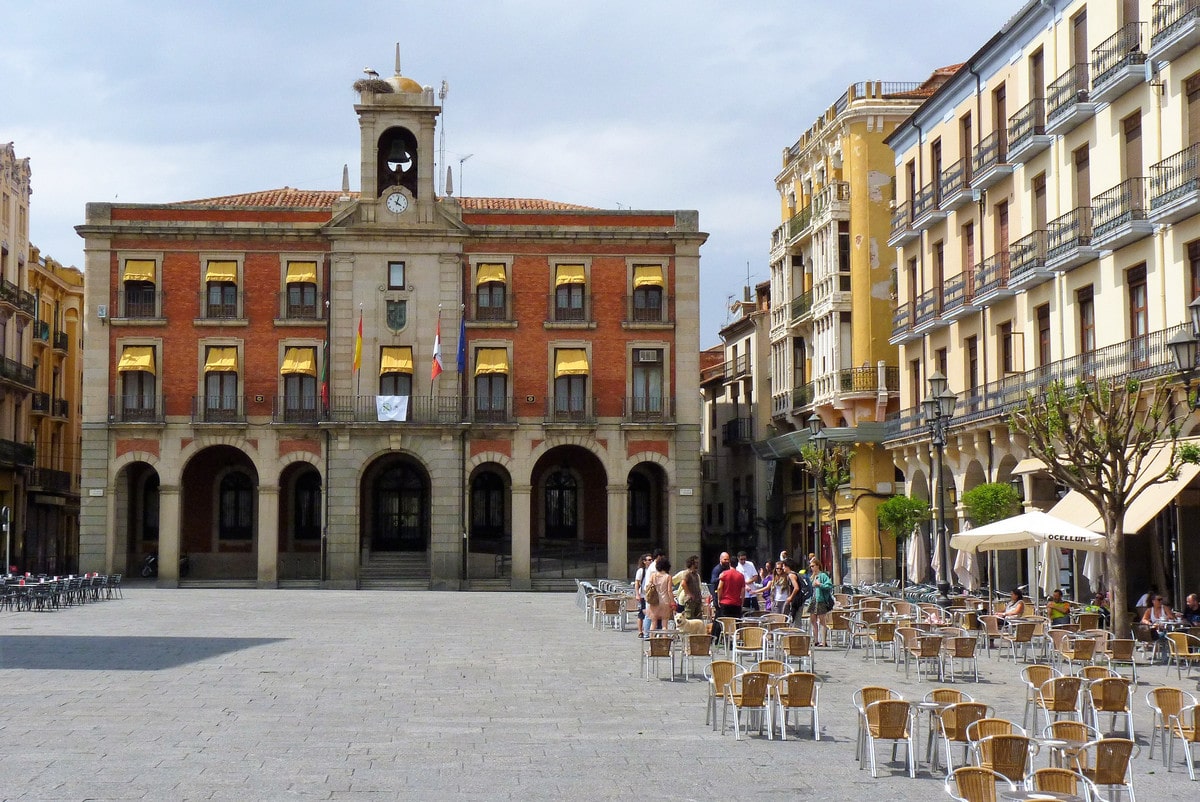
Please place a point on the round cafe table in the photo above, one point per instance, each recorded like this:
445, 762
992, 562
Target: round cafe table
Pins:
1035, 796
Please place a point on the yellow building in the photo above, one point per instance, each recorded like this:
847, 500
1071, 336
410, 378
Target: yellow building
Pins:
1047, 227
831, 295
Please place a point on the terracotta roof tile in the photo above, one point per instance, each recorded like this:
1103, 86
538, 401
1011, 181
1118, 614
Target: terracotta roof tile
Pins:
286, 197
519, 205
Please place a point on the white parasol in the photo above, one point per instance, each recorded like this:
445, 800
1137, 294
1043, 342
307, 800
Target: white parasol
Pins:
917, 558
966, 570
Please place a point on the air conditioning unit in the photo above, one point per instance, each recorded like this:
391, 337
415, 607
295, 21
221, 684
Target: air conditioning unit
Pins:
647, 355
102, 311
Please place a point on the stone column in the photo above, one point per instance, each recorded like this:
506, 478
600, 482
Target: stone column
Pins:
618, 530
521, 531
168, 536
268, 536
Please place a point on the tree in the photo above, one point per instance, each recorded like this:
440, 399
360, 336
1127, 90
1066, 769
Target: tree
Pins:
1098, 438
991, 501
831, 467
899, 514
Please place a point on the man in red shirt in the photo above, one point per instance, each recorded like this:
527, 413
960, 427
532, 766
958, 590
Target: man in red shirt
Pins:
731, 592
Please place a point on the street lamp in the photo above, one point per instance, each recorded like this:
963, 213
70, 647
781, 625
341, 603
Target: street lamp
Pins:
1184, 347
937, 410
820, 440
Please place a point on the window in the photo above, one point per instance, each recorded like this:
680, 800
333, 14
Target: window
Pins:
647, 383
491, 292
299, 373
972, 363
569, 297
940, 359
1131, 131
1039, 201
638, 507
221, 289
1193, 257
138, 288
306, 507
1043, 330
221, 384
301, 281
571, 384
236, 514
395, 275
1135, 281
491, 384
1006, 347
1085, 303
562, 505
647, 294
395, 370
138, 385
487, 506
1083, 180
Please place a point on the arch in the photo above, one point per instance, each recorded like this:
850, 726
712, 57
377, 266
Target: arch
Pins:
666, 465
587, 444
248, 451
646, 508
974, 476
301, 520
489, 517
398, 160
218, 521
137, 523
394, 505
569, 510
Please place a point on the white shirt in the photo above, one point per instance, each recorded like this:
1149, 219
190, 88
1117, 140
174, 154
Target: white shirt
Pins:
748, 570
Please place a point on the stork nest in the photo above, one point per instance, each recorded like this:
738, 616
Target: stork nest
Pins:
376, 85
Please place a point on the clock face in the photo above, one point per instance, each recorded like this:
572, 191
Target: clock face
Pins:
397, 202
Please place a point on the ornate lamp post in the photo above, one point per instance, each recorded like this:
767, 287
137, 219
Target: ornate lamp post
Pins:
1184, 348
817, 436
937, 410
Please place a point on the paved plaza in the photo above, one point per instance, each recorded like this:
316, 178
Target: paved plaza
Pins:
306, 694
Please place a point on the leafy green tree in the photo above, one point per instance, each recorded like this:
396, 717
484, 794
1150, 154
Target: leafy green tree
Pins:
831, 466
991, 501
1098, 438
899, 514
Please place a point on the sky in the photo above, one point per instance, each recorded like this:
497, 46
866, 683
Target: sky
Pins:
654, 104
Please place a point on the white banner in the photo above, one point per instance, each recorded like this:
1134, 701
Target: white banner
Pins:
391, 407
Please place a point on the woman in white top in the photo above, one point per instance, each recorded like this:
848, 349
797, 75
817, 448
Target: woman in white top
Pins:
1158, 614
1015, 607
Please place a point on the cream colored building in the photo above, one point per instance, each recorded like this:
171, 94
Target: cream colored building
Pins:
831, 301
1047, 227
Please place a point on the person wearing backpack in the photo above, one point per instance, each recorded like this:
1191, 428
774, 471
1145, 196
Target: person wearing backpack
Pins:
801, 592
822, 603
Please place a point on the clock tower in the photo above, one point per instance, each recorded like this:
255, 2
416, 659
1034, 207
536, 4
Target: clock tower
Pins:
397, 118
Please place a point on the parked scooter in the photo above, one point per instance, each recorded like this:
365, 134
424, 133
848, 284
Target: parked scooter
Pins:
150, 564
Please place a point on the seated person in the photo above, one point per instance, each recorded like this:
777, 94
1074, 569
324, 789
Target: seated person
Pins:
1099, 605
1191, 610
1057, 610
1158, 615
1015, 607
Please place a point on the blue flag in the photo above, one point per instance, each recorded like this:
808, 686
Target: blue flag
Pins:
462, 345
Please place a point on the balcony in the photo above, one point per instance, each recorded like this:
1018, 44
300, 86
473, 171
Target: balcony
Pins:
141, 303
1069, 240
927, 310
956, 185
1067, 101
831, 294
16, 454
220, 306
991, 279
802, 396
1175, 28
902, 228
990, 163
1119, 62
41, 331
710, 468
738, 367
926, 209
831, 203
714, 373
39, 403
22, 300
958, 296
649, 409
60, 408
737, 431
781, 404
649, 309
1119, 215
485, 409
1027, 135
1175, 186
902, 324
573, 310
429, 410
801, 307
49, 480
14, 372
799, 223
218, 409
300, 304
61, 341
578, 410
868, 380
1027, 261
135, 409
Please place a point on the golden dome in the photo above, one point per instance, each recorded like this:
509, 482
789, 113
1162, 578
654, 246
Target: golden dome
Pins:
406, 85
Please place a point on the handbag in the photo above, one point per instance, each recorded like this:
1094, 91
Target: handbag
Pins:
651, 594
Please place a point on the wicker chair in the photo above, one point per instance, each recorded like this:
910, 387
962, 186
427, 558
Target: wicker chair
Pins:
1185, 726
1093, 673
1112, 695
795, 692
863, 698
990, 630
1060, 781
928, 649
1010, 755
1088, 620
695, 645
748, 693
908, 640
892, 720
961, 651
1105, 763
750, 641
656, 648
1165, 702
797, 647
952, 723
839, 626
986, 727
975, 784
1185, 650
1060, 696
1078, 650
1035, 676
1020, 634
1120, 653
883, 637
1075, 734
776, 668
719, 673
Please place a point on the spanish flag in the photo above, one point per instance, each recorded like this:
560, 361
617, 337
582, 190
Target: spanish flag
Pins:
358, 345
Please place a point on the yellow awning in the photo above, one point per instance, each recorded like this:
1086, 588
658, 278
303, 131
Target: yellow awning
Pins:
647, 276
1150, 503
491, 361
396, 359
302, 361
570, 362
221, 271
221, 360
301, 273
569, 274
489, 273
137, 358
138, 270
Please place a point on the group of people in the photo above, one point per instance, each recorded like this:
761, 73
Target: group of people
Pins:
1158, 615
780, 587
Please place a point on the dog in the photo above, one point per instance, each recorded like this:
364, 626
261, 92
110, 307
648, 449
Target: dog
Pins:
690, 626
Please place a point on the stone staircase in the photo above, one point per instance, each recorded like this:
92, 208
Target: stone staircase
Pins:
395, 571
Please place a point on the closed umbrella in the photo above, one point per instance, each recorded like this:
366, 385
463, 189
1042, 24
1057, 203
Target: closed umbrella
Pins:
966, 570
1093, 570
936, 563
918, 557
1048, 562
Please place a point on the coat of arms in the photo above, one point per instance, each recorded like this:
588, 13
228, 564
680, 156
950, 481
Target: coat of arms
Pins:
397, 314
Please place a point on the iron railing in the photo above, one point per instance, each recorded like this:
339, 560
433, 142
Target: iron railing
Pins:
956, 178
738, 430
1125, 48
14, 453
1175, 176
136, 409
869, 379
301, 308
1028, 253
50, 480
902, 317
565, 309
802, 305
992, 274
642, 308
41, 330
61, 341
222, 308
60, 408
1170, 15
649, 409
927, 199
141, 302
1030, 120
803, 395
40, 402
959, 290
901, 218
14, 371
570, 409
218, 409
799, 222
991, 151
1068, 89
1068, 232
928, 306
1119, 206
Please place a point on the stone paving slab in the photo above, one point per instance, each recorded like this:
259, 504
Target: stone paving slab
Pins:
371, 695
